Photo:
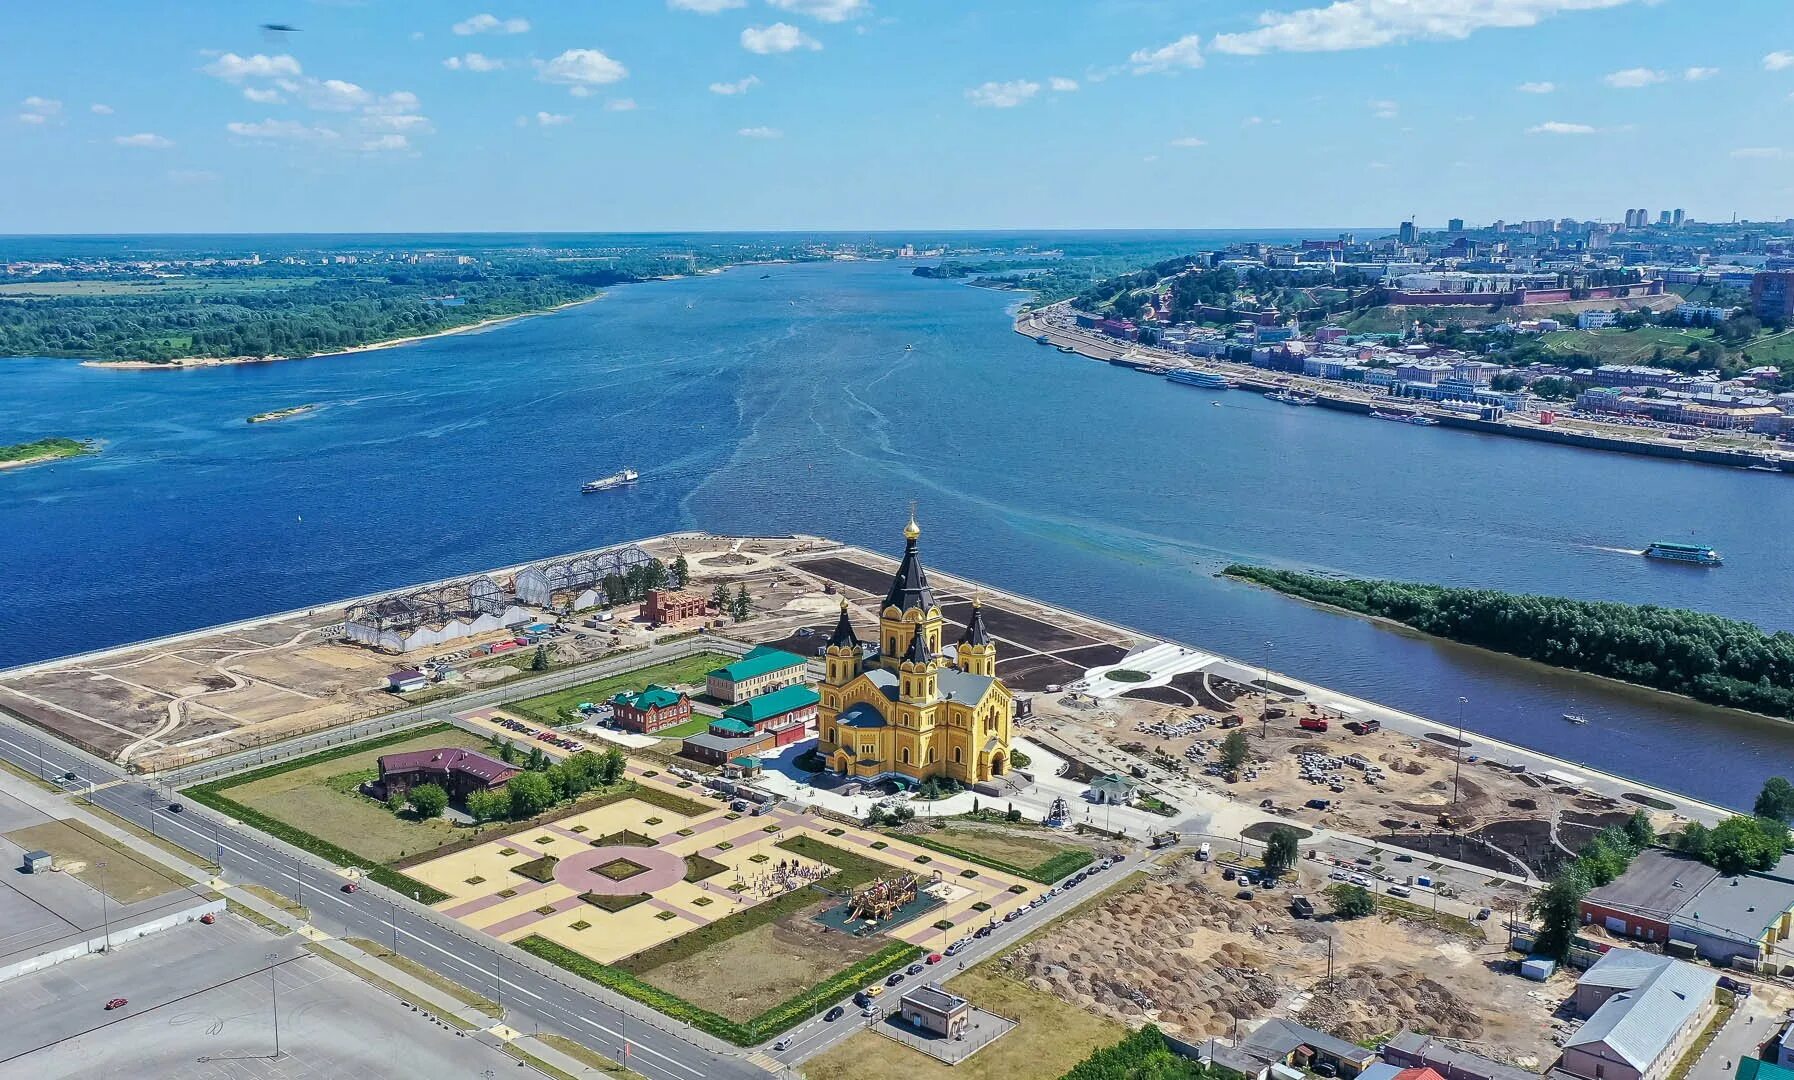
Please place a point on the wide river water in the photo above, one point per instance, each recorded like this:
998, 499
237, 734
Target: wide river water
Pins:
785, 400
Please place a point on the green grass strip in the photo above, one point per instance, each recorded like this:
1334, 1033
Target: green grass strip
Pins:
1045, 872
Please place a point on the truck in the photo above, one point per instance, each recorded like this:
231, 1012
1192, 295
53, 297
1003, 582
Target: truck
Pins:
1231, 721
1301, 907
1202, 852
1165, 840
1364, 727
1312, 723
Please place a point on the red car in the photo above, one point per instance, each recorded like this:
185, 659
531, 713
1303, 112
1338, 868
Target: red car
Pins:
350, 886
934, 958
115, 1003
208, 918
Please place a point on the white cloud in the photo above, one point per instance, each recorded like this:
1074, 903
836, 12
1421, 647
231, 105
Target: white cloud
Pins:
1558, 127
1385, 110
1252, 121
1633, 78
777, 38
144, 140
490, 24
38, 110
706, 7
1778, 61
1002, 95
385, 144
327, 95
548, 119
233, 68
402, 122
1536, 87
739, 86
100, 110
833, 11
1185, 52
583, 68
473, 61
1699, 74
1189, 142
1763, 153
291, 130
263, 97
1363, 24
32, 118
761, 133
623, 104
1059, 84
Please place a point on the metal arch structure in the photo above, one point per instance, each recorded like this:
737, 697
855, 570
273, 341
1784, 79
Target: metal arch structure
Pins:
463, 601
540, 583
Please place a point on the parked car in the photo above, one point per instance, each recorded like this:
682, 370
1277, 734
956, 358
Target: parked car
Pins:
116, 1003
1482, 914
935, 958
350, 886
896, 977
834, 1014
782, 1045
175, 808
915, 969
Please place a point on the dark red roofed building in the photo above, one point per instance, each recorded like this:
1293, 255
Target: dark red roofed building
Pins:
458, 772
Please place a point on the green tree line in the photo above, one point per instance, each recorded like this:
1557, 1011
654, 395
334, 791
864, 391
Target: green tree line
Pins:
1710, 658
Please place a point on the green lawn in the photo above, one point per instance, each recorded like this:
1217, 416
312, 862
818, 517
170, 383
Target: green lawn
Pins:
1037, 858
695, 726
558, 708
1616, 346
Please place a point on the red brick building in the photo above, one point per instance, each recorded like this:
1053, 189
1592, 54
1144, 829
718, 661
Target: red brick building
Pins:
665, 607
654, 709
457, 771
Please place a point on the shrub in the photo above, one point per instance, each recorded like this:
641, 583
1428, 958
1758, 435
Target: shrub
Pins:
981, 907
613, 903
698, 868
541, 870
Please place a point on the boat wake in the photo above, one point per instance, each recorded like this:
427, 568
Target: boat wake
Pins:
1611, 550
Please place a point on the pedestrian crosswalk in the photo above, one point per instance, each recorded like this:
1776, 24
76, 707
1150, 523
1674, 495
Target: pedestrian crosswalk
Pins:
765, 1062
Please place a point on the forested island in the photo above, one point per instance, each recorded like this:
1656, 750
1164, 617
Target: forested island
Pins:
1709, 658
41, 450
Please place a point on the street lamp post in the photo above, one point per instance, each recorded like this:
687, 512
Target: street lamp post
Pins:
1459, 766
1264, 705
105, 908
274, 992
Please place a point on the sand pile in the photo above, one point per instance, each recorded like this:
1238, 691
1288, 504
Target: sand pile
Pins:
1366, 1000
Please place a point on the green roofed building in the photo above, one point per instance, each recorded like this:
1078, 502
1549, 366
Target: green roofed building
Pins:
758, 725
654, 709
761, 670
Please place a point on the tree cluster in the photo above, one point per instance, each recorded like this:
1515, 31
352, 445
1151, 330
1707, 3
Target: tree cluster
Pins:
1141, 1055
1707, 657
543, 784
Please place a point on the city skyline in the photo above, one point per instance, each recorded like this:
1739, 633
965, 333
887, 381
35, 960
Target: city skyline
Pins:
855, 115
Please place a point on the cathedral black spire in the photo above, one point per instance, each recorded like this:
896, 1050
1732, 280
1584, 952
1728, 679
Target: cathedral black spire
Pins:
975, 633
918, 650
844, 635
909, 589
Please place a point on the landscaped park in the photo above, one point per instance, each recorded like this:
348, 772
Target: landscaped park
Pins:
740, 923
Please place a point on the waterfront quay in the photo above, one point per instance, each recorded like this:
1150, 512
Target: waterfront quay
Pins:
1162, 728
1728, 449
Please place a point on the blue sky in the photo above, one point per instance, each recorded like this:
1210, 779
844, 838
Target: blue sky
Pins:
391, 115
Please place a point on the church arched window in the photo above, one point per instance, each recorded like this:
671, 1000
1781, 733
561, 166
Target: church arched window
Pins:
906, 755
957, 758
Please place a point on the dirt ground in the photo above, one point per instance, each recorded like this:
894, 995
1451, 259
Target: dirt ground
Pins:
1053, 1036
1184, 952
1507, 821
742, 977
127, 877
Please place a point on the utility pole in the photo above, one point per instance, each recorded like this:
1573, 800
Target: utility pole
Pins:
274, 991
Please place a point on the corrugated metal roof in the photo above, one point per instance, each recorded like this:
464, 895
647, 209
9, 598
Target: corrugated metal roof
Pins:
1639, 1025
758, 662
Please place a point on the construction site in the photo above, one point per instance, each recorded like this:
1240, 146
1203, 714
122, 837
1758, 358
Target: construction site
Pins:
1183, 950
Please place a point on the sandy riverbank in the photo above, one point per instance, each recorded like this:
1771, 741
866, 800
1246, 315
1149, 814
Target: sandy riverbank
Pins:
186, 362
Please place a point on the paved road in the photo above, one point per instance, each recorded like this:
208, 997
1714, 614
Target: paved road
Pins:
531, 992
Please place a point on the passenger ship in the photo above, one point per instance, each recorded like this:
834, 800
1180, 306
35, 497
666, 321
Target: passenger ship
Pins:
1207, 380
614, 480
1684, 553
1291, 397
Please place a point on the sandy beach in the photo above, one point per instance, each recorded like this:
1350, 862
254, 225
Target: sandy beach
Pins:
188, 362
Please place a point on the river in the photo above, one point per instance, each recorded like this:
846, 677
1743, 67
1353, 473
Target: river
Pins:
823, 398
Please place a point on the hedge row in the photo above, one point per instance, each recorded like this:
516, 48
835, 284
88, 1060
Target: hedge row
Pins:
666, 800
781, 1017
1046, 872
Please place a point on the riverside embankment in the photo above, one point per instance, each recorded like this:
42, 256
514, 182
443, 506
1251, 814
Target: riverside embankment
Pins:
1753, 453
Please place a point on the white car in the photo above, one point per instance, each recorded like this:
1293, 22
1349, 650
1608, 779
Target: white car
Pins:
1359, 880
1337, 875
